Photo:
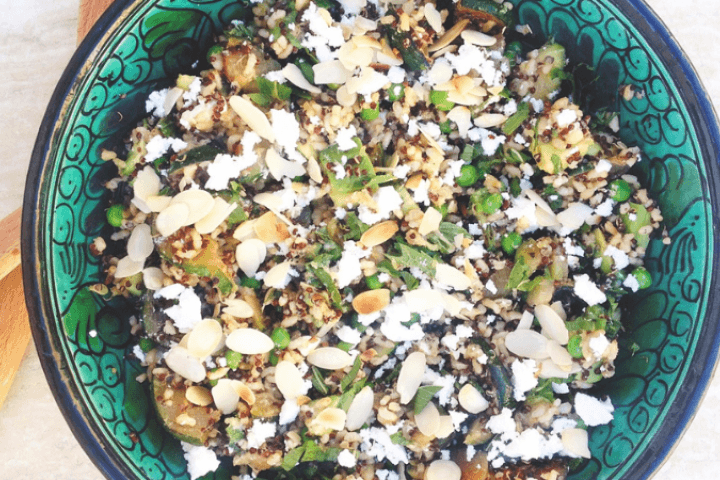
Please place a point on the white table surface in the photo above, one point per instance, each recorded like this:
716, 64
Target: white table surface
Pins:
37, 38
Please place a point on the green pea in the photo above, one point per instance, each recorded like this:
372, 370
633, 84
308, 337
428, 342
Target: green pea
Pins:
115, 215
396, 92
469, 175
369, 114
445, 127
146, 344
620, 190
574, 346
511, 242
233, 359
249, 282
491, 203
214, 51
443, 209
373, 282
643, 277
281, 337
274, 359
439, 99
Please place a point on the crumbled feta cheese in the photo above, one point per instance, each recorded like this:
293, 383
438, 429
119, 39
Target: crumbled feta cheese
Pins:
387, 200
347, 459
348, 267
470, 452
620, 258
457, 418
289, 412
603, 166
348, 335
566, 117
396, 74
187, 313
200, 460
598, 345
401, 171
193, 91
345, 136
537, 104
321, 36
632, 283
490, 285
339, 170
384, 474
388, 365
159, 146
155, 103
224, 168
593, 411
420, 194
502, 424
523, 378
340, 213
560, 388
260, 432
376, 442
139, 354
276, 76
287, 132
475, 250
605, 209
489, 141
587, 290
447, 382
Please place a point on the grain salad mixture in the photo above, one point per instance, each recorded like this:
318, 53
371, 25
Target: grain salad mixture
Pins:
377, 240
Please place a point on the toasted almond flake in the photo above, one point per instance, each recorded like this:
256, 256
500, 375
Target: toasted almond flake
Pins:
245, 393
199, 203
472, 400
304, 344
549, 369
157, 203
127, 267
279, 167
269, 230
379, 233
462, 118
553, 326
185, 420
449, 36
293, 73
433, 17
443, 470
245, 230
249, 255
172, 219
371, 301
559, 355
249, 341
451, 277
277, 276
452, 305
423, 299
147, 183
387, 57
428, 421
153, 278
268, 200
352, 56
360, 409
331, 418
225, 397
575, 442
447, 427
430, 221
527, 343
574, 216
313, 170
558, 308
331, 71
238, 308
489, 120
329, 358
205, 338
545, 219
171, 99
217, 373
365, 41
478, 38
179, 360
344, 97
410, 377
220, 211
198, 395
252, 116
289, 380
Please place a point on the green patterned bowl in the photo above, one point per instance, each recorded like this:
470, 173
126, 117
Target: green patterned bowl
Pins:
138, 45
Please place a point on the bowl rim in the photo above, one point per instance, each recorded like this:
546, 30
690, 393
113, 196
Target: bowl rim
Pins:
647, 22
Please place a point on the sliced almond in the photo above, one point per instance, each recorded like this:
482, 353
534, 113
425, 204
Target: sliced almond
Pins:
423, 299
225, 397
238, 308
269, 230
172, 219
293, 73
249, 341
371, 301
252, 116
180, 361
574, 216
279, 167
472, 400
313, 170
558, 308
205, 338
127, 267
171, 99
410, 377
289, 380
539, 201
198, 395
452, 277
430, 221
153, 278
249, 255
331, 71
549, 369
379, 233
199, 203
158, 203
552, 325
527, 343
443, 470
447, 427
462, 117
559, 355
245, 393
245, 230
269, 200
365, 41
489, 120
360, 409
277, 276
449, 36
331, 418
344, 97
478, 38
433, 17
304, 344
329, 358
428, 421
220, 211
575, 442
147, 183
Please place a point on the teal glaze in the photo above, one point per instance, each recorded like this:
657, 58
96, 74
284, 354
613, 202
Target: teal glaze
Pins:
87, 344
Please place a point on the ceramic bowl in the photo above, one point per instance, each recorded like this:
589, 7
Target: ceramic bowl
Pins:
140, 45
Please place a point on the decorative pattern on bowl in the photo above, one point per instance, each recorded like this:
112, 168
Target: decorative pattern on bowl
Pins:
138, 46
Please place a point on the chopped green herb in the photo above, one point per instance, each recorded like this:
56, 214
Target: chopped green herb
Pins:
423, 397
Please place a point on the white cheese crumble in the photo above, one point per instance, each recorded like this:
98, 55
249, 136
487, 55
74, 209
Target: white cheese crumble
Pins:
200, 460
259, 433
605, 209
139, 354
287, 132
632, 283
159, 146
387, 200
289, 412
187, 313
587, 290
598, 345
348, 268
603, 166
566, 117
560, 388
593, 411
347, 459
344, 138
376, 442
349, 335
384, 474
155, 103
523, 378
619, 257
489, 141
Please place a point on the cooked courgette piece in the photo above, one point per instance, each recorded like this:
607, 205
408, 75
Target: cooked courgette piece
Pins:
415, 60
486, 14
